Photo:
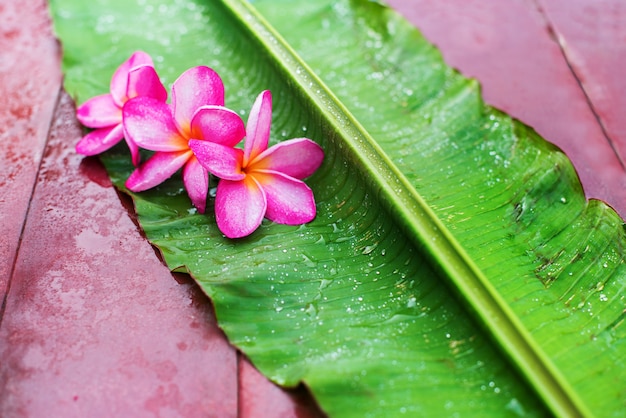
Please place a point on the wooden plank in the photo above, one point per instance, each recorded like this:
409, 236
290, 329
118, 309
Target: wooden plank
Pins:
592, 35
30, 81
509, 48
258, 397
94, 324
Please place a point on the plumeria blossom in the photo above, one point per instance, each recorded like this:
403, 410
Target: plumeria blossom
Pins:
197, 112
257, 181
135, 77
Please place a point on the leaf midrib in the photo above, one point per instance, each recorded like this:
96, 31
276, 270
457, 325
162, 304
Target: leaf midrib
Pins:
410, 210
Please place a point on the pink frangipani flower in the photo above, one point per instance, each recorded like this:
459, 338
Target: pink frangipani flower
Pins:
134, 78
258, 182
197, 112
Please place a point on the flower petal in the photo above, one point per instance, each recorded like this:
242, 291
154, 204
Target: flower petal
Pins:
144, 81
157, 169
134, 150
297, 158
196, 180
222, 161
239, 207
196, 87
99, 112
100, 140
119, 81
218, 124
148, 122
289, 201
258, 127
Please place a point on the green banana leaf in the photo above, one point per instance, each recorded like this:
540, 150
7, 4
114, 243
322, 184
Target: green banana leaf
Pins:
454, 267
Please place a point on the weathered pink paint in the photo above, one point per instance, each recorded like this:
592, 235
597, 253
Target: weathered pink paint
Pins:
30, 80
95, 325
259, 398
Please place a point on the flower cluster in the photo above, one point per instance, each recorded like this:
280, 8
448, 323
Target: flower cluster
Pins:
195, 132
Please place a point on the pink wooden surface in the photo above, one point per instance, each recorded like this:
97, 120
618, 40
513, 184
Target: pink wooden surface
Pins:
92, 323
593, 37
30, 79
259, 399
510, 48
